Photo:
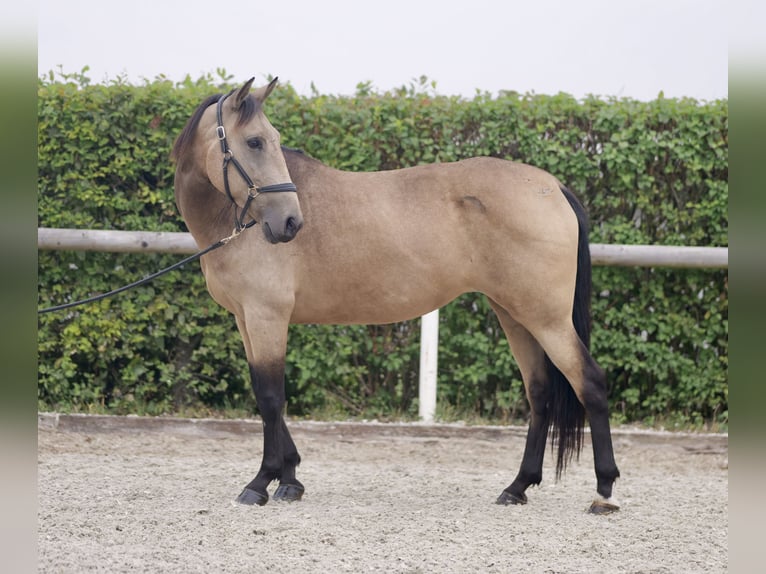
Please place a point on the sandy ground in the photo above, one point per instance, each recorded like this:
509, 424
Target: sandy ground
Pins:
120, 494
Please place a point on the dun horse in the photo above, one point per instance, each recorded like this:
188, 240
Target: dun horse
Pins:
338, 247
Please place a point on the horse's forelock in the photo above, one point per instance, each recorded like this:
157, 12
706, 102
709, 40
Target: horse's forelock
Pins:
247, 110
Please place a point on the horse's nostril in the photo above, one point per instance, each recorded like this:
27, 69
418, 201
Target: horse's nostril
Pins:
292, 226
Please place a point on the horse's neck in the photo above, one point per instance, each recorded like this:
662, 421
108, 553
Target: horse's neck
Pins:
207, 213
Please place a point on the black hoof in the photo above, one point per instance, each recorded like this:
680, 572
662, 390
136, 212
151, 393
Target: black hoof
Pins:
507, 498
601, 507
251, 497
289, 492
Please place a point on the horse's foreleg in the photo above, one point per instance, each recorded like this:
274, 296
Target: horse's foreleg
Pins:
266, 356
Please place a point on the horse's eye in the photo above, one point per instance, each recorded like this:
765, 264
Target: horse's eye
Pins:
255, 143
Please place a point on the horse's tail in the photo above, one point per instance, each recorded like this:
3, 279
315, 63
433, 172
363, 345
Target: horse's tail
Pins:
566, 413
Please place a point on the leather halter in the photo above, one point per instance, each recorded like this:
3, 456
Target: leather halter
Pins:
252, 191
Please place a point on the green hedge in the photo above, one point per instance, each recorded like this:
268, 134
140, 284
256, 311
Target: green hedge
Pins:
648, 173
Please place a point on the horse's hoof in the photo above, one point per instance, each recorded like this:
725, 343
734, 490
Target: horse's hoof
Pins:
289, 492
251, 497
507, 498
603, 507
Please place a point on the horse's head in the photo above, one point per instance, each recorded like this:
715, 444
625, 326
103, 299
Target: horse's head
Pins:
243, 159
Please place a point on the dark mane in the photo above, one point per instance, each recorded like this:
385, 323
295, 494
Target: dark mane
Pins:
246, 112
186, 136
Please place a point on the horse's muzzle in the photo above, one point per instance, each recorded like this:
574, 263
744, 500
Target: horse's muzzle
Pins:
291, 228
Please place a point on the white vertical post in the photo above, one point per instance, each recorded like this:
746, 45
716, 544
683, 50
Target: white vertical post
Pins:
429, 352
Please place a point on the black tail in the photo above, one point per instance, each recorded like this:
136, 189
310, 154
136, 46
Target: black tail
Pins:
566, 413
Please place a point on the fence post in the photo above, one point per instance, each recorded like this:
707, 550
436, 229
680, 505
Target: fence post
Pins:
429, 351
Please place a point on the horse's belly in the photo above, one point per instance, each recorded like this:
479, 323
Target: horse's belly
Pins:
359, 301
363, 315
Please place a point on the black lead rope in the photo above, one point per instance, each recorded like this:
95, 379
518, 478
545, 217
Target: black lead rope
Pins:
148, 278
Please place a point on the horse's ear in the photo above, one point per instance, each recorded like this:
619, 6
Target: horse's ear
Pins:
262, 93
243, 93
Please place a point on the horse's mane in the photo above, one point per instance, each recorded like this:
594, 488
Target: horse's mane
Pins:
246, 112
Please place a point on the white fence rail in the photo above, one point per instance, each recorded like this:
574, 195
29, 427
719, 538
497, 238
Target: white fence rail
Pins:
183, 243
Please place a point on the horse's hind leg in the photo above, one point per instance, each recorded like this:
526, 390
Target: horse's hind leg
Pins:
531, 360
572, 358
280, 456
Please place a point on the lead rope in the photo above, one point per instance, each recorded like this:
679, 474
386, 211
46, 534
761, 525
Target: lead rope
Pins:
148, 278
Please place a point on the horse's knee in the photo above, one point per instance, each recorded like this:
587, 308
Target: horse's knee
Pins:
268, 386
270, 406
269, 402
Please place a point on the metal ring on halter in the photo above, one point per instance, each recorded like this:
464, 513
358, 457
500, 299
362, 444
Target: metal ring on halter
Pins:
252, 196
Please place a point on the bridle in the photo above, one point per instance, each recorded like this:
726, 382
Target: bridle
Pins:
252, 191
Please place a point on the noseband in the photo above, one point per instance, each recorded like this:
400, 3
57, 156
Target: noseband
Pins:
252, 190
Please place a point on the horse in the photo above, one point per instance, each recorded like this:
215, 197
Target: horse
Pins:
339, 247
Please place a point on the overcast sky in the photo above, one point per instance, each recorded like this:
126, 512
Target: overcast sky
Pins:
605, 47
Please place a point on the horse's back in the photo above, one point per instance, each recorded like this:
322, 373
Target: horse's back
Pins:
483, 193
